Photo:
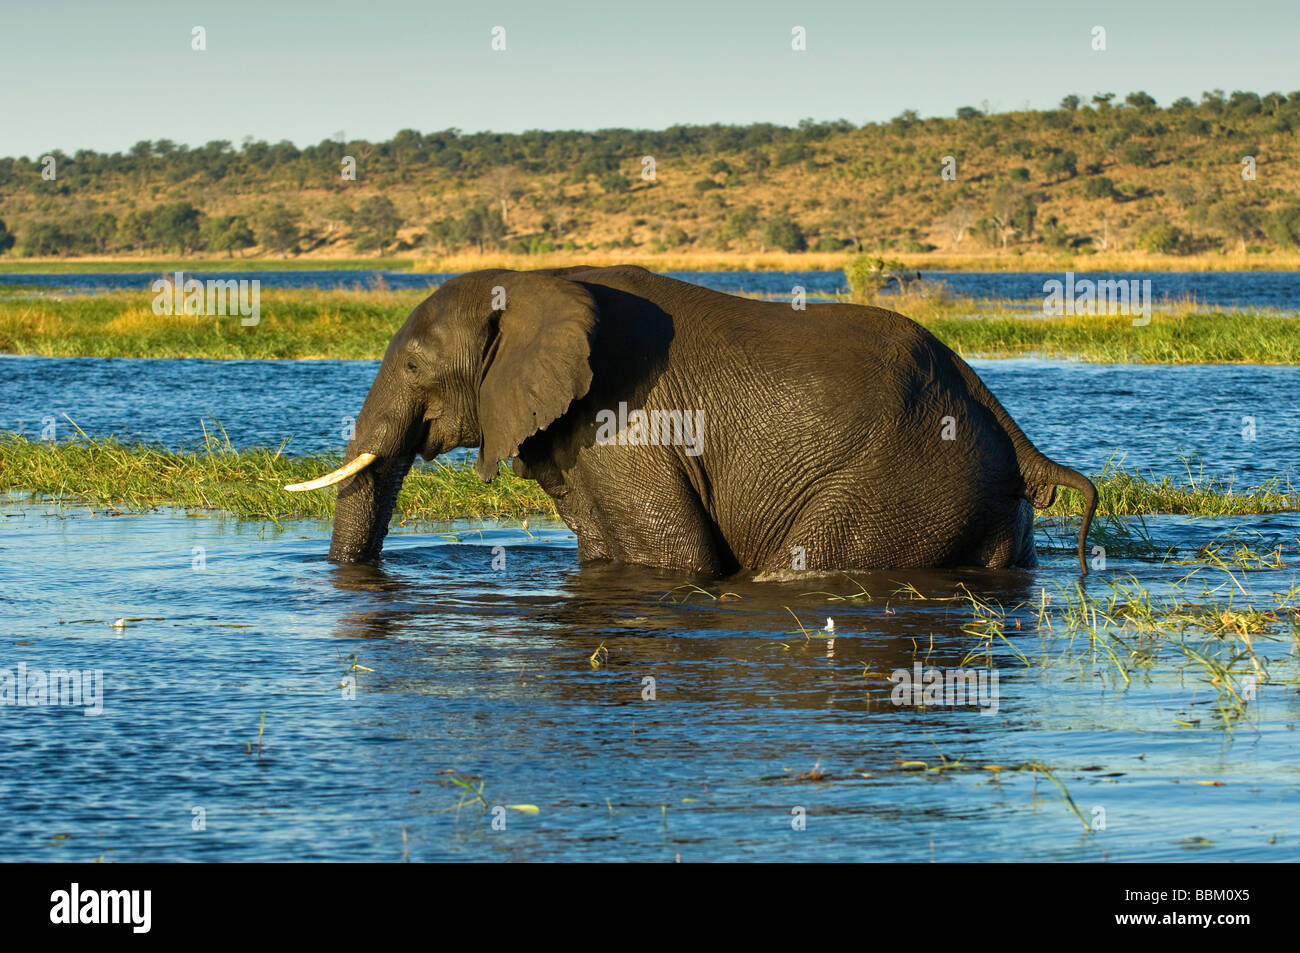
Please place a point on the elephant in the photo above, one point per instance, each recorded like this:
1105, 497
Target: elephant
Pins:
683, 428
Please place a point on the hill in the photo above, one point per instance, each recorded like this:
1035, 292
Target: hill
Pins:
1218, 177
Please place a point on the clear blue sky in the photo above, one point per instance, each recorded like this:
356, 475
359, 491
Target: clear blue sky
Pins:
104, 75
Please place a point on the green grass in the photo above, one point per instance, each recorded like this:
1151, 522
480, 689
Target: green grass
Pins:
1201, 337
294, 323
357, 324
248, 483
1124, 493
160, 265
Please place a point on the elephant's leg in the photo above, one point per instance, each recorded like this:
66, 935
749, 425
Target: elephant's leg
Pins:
661, 524
1009, 542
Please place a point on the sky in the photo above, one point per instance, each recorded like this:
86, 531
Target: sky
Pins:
98, 75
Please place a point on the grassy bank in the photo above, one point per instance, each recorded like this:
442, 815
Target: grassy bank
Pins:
352, 325
984, 260
295, 323
248, 483
67, 266
774, 260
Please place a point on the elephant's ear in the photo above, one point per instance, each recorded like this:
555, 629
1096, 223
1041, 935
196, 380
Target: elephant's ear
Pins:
537, 364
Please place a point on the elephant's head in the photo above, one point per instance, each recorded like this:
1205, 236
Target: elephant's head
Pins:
489, 359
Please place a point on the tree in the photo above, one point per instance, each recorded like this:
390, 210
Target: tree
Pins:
1140, 100
1283, 226
101, 229
1102, 100
1070, 103
1235, 220
503, 185
904, 121
42, 239
1137, 154
1013, 211
1062, 164
278, 229
784, 233
740, 225
377, 221
958, 222
1242, 103
1212, 101
228, 233
614, 183
175, 226
483, 226
1099, 187
968, 112
1164, 239
444, 233
1055, 233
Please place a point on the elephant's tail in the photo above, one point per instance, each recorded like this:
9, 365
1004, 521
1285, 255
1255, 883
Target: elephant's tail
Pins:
1039, 475
1041, 486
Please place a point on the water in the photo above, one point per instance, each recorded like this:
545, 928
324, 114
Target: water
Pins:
487, 672
1252, 289
1151, 416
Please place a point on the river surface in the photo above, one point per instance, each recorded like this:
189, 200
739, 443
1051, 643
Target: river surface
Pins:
1251, 289
479, 696
1231, 419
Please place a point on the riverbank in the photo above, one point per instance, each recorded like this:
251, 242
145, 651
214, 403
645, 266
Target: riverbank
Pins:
160, 266
989, 260
104, 473
976, 261
341, 324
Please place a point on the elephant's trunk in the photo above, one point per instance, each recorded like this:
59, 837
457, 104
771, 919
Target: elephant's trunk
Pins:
364, 508
378, 459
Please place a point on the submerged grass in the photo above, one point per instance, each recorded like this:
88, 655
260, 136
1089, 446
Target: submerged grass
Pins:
357, 325
1216, 631
248, 483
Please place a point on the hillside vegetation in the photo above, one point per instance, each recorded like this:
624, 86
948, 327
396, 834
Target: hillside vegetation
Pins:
1193, 180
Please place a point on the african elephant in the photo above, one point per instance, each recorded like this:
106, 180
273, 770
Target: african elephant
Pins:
684, 428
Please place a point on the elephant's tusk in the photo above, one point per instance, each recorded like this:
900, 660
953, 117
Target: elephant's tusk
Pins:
356, 465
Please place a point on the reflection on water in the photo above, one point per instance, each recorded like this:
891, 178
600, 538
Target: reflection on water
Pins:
532, 680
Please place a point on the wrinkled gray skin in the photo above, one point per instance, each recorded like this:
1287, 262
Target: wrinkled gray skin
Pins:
823, 429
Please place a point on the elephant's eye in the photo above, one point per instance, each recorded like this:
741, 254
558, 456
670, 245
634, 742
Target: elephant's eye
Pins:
410, 366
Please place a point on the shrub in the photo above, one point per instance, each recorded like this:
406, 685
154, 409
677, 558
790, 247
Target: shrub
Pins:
868, 274
784, 233
1099, 188
1283, 226
1165, 240
1135, 153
